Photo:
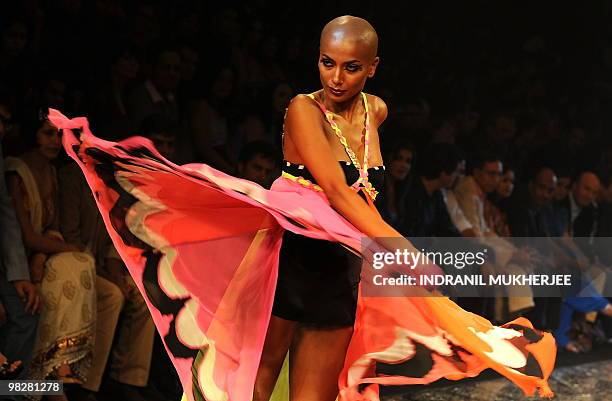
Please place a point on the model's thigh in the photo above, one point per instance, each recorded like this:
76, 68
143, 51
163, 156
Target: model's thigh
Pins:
278, 339
316, 360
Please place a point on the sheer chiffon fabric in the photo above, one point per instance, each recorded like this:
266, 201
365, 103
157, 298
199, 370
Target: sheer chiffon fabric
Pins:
203, 248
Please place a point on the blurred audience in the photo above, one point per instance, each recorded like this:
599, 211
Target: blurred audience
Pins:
211, 83
65, 274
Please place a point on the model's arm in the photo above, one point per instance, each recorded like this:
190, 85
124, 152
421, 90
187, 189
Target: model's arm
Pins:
304, 128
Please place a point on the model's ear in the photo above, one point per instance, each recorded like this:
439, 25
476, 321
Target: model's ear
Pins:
373, 67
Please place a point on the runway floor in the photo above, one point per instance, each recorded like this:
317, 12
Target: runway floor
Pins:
585, 377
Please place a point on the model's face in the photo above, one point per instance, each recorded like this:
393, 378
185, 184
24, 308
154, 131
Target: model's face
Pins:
344, 67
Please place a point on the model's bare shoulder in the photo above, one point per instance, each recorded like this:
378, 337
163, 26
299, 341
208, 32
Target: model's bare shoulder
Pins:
302, 112
379, 108
301, 100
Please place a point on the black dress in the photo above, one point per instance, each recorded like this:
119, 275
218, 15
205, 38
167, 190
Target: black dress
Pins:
318, 280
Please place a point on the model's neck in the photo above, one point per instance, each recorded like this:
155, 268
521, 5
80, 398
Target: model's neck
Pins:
346, 109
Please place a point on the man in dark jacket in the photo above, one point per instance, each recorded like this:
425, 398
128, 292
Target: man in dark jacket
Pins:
422, 208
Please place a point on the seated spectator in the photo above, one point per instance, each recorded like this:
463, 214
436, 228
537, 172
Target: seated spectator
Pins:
564, 183
19, 297
454, 210
190, 58
249, 128
580, 222
274, 105
109, 116
422, 208
65, 337
397, 175
602, 244
495, 203
157, 95
258, 163
444, 130
531, 219
208, 121
604, 224
580, 206
530, 213
81, 224
471, 192
162, 132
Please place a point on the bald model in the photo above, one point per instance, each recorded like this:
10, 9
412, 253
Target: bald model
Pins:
347, 59
349, 29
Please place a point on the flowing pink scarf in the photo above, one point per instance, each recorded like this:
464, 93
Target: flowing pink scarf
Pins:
203, 248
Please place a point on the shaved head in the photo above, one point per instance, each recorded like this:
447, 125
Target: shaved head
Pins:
354, 30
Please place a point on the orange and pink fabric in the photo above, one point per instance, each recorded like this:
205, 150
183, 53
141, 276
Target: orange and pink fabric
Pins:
203, 248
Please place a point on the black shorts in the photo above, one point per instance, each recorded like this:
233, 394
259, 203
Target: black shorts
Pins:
317, 283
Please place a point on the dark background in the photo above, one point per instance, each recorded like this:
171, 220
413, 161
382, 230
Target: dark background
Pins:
545, 62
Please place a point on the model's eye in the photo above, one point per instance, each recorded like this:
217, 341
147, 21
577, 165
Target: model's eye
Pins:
327, 62
353, 67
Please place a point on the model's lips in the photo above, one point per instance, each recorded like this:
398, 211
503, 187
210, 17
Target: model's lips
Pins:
336, 92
